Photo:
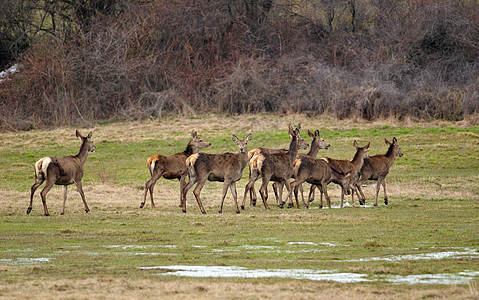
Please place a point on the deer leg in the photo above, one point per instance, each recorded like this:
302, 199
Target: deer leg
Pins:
65, 192
226, 184
324, 190
362, 199
302, 195
275, 191
43, 194
182, 186
311, 193
38, 182
186, 189
80, 190
150, 185
235, 198
250, 187
295, 186
378, 186
287, 183
197, 192
385, 194
264, 192
342, 196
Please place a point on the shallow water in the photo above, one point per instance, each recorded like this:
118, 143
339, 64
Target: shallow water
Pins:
20, 261
317, 275
466, 252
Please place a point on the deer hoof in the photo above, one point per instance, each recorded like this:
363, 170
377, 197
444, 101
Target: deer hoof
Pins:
142, 204
385, 201
281, 205
184, 211
290, 205
320, 206
62, 213
253, 203
220, 212
242, 207
47, 214
29, 210
238, 212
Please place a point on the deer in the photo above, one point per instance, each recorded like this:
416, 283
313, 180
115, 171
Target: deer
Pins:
172, 166
274, 166
227, 168
376, 168
62, 171
316, 144
345, 172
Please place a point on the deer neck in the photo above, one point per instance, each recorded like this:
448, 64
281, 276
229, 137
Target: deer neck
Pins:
391, 154
358, 161
190, 149
293, 148
83, 153
313, 151
243, 158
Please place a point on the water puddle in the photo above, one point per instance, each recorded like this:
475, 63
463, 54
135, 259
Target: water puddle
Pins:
466, 253
317, 275
22, 261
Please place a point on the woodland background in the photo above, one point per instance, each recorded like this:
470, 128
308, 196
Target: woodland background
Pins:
83, 61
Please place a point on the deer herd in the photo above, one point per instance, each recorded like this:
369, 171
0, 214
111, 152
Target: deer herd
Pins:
286, 168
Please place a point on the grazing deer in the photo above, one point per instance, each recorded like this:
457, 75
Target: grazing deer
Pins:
172, 166
62, 171
274, 166
227, 167
376, 167
345, 172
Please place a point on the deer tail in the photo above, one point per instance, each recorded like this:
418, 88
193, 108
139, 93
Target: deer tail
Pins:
190, 163
41, 166
150, 164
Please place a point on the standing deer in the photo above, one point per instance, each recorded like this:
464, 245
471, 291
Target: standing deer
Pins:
172, 166
376, 167
316, 144
227, 168
62, 171
274, 166
345, 172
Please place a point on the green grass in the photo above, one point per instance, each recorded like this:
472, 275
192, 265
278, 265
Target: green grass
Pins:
433, 208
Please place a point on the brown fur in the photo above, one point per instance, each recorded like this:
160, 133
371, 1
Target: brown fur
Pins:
227, 168
376, 168
345, 172
276, 166
62, 171
171, 166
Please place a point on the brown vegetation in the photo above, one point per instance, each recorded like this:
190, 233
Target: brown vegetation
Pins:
139, 59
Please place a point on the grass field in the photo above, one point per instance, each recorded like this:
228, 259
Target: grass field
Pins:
424, 244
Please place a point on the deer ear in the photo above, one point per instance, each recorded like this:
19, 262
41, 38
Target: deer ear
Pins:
299, 127
194, 134
235, 138
395, 141
291, 130
249, 137
387, 142
316, 133
355, 144
78, 134
310, 134
90, 134
367, 145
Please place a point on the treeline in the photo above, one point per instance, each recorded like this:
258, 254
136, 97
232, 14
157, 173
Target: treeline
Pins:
89, 60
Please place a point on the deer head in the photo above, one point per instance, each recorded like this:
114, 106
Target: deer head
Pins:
395, 145
318, 141
361, 152
242, 143
87, 141
198, 143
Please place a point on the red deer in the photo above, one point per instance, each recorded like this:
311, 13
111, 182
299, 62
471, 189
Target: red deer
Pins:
376, 167
345, 172
316, 144
274, 166
227, 168
172, 166
62, 171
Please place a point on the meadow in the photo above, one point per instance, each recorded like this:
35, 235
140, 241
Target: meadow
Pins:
424, 244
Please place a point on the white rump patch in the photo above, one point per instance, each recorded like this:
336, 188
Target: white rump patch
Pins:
41, 166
